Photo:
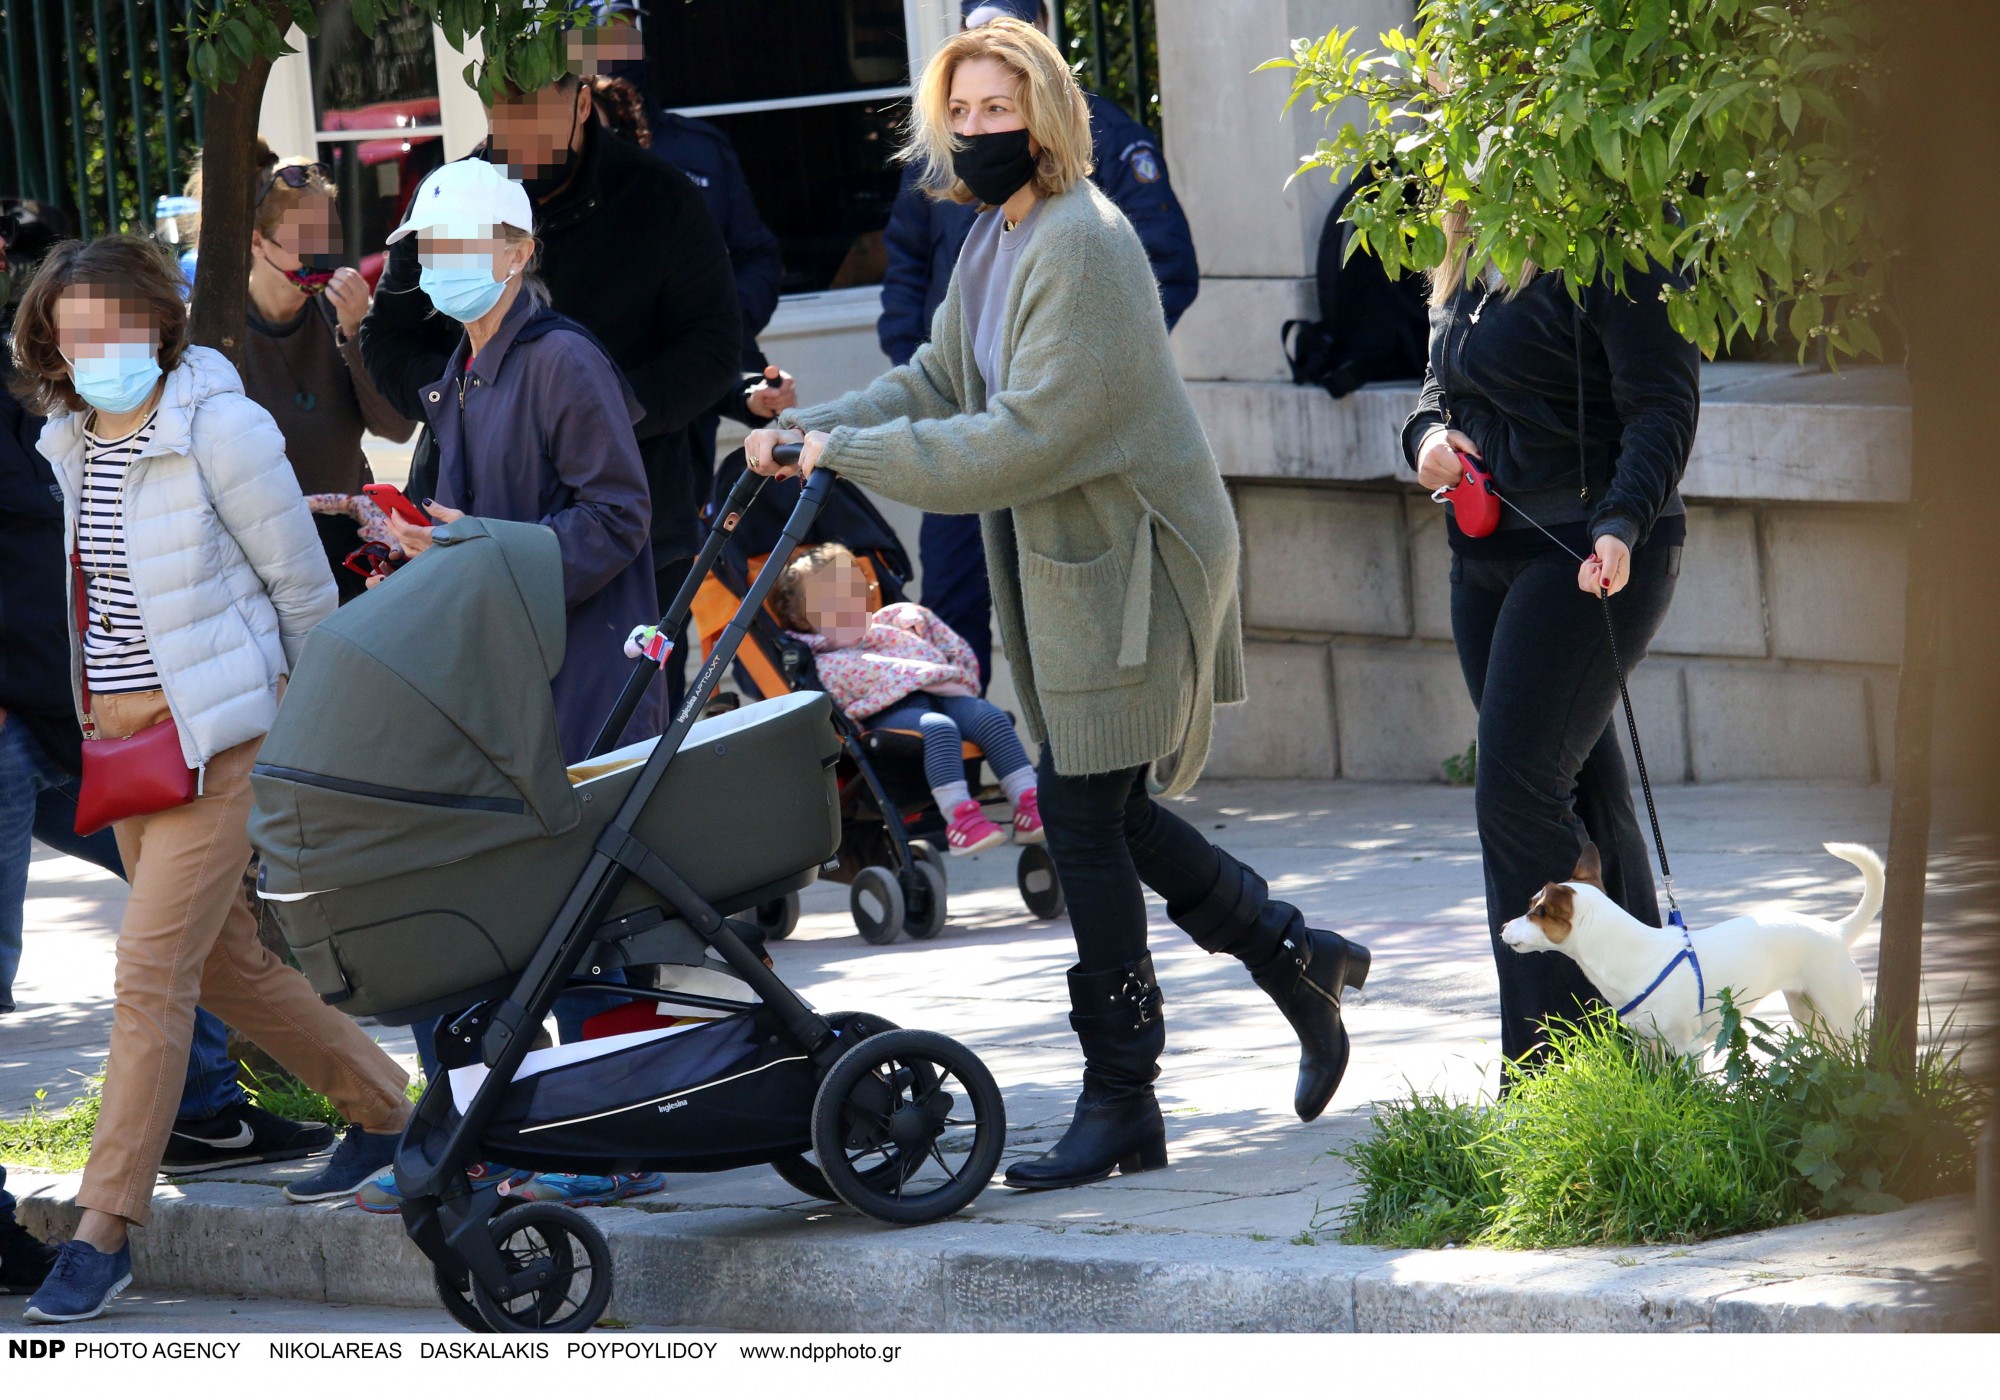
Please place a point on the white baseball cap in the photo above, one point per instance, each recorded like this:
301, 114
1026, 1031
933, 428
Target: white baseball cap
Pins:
467, 199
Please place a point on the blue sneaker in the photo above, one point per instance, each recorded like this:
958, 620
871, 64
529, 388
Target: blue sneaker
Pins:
574, 1189
359, 1156
379, 1195
81, 1283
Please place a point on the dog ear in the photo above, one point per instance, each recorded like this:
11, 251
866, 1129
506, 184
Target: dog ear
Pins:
1589, 866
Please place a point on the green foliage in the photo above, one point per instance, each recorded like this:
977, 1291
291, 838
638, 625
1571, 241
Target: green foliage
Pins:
1113, 48
58, 1140
1862, 1139
1462, 769
1428, 1173
522, 40
1626, 1142
55, 1140
1569, 132
1619, 1141
290, 1098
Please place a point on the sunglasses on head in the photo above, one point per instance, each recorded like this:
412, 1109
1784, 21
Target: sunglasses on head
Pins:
292, 177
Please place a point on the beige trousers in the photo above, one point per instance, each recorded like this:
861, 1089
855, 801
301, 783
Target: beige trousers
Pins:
189, 937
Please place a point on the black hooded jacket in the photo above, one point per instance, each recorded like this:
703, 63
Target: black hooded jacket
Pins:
1510, 382
629, 251
34, 643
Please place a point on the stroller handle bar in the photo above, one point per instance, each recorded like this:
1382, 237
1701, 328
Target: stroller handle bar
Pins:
740, 498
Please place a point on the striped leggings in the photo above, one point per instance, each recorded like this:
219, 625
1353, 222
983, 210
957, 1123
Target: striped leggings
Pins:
944, 720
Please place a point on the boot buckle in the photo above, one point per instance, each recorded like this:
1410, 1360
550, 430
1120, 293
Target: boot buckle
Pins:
1141, 995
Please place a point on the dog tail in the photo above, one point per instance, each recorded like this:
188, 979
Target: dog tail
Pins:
1870, 866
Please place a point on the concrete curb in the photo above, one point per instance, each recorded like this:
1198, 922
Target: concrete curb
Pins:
801, 1269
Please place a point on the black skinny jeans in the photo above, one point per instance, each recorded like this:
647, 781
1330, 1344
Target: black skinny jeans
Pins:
1550, 773
1108, 835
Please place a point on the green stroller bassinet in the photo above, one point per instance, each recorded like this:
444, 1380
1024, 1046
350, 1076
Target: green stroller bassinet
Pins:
418, 831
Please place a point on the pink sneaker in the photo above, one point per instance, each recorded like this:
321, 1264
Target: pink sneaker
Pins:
970, 832
1028, 820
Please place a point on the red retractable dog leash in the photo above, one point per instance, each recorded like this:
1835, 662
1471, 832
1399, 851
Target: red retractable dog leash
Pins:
1475, 505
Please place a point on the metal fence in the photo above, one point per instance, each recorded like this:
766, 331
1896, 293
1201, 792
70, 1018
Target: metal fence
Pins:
97, 113
1114, 47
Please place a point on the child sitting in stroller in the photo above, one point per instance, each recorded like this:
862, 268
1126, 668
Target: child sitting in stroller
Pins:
902, 668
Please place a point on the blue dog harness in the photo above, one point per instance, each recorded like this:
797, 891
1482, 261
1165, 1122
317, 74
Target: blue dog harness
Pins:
1685, 955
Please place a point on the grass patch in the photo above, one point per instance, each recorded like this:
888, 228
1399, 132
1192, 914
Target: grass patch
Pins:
58, 1140
1620, 1141
52, 1140
1428, 1174
290, 1098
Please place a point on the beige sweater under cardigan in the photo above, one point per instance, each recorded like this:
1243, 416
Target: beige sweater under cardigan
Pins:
1109, 537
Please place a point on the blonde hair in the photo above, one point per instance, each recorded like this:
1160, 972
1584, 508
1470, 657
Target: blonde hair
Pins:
788, 598
1051, 104
1449, 276
279, 200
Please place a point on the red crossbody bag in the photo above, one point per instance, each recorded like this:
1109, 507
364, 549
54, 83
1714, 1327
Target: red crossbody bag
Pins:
131, 777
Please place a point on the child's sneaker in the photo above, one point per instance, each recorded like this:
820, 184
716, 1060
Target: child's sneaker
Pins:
1028, 820
379, 1196
581, 1189
971, 831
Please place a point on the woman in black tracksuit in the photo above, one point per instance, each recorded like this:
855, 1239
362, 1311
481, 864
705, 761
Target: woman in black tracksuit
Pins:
1517, 382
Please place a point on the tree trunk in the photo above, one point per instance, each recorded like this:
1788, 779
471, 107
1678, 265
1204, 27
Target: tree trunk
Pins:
228, 187
1899, 975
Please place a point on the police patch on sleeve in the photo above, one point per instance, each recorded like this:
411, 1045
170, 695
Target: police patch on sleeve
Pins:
1144, 164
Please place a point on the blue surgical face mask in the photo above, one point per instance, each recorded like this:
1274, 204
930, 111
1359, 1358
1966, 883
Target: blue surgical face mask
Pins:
461, 285
118, 380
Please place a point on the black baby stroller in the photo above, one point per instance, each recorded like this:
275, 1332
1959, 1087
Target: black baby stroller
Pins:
892, 834
427, 852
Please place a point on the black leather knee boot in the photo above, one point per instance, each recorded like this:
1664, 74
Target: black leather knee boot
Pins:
1117, 1125
1304, 970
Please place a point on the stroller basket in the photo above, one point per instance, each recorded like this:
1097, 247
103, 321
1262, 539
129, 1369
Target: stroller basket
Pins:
669, 1098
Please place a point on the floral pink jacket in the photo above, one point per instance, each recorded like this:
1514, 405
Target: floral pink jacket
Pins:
905, 649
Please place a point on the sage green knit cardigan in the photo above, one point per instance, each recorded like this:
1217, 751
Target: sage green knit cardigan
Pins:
1109, 537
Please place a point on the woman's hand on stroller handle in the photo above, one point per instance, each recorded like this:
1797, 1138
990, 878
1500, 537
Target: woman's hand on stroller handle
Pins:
783, 452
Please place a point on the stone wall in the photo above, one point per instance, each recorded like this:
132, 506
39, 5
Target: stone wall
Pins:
1777, 659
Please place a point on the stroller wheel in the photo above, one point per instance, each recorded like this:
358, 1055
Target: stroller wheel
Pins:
923, 891
930, 855
1041, 891
455, 1292
777, 918
571, 1257
908, 1127
801, 1172
876, 901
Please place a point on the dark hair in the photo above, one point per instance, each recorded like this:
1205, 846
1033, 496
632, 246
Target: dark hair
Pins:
622, 109
131, 271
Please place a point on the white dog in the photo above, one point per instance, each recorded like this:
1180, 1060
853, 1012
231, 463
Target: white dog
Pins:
1664, 983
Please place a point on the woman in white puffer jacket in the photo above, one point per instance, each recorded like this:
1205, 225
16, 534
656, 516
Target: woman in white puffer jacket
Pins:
201, 574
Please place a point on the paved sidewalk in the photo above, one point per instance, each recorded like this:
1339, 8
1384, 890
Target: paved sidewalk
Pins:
1225, 1240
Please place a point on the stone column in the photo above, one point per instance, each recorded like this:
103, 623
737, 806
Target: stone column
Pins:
1230, 155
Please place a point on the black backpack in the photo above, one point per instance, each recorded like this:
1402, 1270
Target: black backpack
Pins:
1369, 328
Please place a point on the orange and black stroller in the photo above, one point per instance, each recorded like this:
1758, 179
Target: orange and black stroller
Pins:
892, 834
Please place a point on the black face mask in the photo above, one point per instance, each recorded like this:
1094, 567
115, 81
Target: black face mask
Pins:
994, 164
541, 186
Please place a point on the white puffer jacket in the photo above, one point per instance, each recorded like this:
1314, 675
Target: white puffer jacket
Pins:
224, 558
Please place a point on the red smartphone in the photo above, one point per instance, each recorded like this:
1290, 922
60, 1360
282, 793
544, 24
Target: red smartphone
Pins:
394, 502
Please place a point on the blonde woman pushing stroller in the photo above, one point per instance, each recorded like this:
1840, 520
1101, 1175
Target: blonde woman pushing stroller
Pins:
1113, 554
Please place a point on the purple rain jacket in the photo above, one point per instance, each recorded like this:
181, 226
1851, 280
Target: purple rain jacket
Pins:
540, 428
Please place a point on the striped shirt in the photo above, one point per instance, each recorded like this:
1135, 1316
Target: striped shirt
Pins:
116, 657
